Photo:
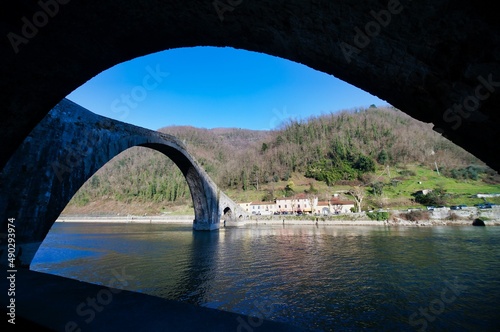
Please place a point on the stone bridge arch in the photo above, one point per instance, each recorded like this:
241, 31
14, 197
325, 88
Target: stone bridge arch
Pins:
227, 211
56, 160
437, 61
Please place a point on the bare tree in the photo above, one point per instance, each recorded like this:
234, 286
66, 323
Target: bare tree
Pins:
358, 193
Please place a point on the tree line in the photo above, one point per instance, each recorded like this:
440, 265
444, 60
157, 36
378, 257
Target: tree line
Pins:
335, 147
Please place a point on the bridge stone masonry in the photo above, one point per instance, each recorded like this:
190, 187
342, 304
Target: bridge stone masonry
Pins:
68, 146
438, 61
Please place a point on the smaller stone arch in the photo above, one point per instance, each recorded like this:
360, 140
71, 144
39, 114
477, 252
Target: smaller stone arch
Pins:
229, 209
227, 212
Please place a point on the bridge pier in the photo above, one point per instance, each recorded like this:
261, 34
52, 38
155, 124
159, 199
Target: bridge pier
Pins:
205, 225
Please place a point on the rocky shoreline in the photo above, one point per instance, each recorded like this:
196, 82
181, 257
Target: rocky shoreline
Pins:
421, 223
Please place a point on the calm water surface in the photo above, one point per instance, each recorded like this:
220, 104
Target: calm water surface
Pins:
331, 278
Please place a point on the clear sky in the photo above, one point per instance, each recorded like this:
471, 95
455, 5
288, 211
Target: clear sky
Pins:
211, 87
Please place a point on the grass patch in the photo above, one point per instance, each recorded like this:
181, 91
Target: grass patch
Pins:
461, 192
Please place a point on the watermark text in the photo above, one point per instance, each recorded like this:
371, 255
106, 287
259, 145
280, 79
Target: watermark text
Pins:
11, 270
31, 27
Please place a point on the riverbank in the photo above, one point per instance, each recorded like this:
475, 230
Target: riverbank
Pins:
185, 219
273, 220
361, 222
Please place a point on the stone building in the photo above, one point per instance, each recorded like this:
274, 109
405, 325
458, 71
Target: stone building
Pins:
300, 203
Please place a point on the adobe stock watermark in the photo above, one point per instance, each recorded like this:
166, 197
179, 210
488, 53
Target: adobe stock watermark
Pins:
280, 116
426, 315
88, 309
221, 7
363, 38
76, 153
31, 27
263, 309
127, 101
471, 103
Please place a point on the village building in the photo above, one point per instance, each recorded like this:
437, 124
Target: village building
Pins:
335, 205
263, 208
300, 204
246, 207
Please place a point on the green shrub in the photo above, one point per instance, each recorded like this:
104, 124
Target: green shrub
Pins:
377, 188
438, 196
407, 172
467, 173
339, 167
379, 216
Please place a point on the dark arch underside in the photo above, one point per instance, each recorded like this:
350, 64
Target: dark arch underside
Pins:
438, 62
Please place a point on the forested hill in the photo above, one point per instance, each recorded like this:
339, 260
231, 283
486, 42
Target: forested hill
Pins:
331, 148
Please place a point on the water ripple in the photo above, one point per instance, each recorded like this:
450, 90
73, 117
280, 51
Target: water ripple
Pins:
327, 278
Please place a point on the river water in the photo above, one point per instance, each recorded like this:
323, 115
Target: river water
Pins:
328, 278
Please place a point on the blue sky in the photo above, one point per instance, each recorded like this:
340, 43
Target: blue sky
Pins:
211, 87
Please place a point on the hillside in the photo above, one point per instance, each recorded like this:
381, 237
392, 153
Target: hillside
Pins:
381, 149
